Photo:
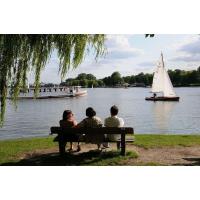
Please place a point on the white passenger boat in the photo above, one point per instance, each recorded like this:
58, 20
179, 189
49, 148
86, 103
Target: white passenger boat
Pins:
52, 92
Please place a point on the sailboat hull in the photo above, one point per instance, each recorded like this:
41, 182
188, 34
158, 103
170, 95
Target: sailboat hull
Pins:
162, 98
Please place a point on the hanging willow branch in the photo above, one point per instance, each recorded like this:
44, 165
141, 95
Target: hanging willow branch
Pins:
21, 53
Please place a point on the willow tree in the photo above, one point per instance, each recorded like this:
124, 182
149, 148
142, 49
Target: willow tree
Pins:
20, 54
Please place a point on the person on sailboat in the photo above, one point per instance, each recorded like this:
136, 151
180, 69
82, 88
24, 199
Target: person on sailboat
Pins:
154, 95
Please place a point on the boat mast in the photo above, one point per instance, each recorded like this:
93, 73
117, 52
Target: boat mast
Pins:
162, 59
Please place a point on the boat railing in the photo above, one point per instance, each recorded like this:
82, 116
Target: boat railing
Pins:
47, 89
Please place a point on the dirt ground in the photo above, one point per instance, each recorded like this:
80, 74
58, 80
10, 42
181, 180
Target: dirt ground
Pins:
153, 156
169, 155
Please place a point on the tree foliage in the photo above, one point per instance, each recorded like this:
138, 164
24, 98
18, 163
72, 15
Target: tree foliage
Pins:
20, 54
177, 76
185, 78
113, 80
83, 79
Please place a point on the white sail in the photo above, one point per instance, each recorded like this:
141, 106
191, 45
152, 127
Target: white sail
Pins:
168, 87
157, 85
162, 82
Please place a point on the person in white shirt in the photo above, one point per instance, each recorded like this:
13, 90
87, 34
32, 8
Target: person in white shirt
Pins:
114, 121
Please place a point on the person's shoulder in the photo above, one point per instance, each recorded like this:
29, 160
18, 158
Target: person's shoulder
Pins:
75, 122
97, 118
121, 121
84, 120
82, 123
120, 118
111, 119
108, 118
115, 118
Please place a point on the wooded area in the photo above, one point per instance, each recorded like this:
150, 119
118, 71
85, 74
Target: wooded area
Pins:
178, 77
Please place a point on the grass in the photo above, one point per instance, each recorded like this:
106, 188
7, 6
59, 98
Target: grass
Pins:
113, 158
149, 164
153, 141
12, 151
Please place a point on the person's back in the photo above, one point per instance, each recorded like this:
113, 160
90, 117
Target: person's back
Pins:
67, 124
92, 122
114, 121
68, 121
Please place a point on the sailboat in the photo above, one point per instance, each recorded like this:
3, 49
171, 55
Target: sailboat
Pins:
162, 84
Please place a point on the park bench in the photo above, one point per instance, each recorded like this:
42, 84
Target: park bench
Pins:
63, 136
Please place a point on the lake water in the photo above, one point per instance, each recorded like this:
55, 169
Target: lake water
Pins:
35, 117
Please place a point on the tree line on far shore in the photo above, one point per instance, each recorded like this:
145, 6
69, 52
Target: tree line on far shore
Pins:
177, 76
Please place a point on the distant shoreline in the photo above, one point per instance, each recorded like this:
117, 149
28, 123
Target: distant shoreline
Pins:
184, 86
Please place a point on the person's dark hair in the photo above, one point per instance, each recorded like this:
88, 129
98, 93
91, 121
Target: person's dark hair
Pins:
66, 113
90, 112
114, 110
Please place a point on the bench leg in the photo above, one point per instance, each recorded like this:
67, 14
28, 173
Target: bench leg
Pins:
123, 144
62, 147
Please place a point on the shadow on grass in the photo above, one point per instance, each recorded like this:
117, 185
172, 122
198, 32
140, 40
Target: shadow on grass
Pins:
193, 162
73, 159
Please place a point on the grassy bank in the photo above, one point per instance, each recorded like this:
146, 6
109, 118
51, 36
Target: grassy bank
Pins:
152, 141
13, 150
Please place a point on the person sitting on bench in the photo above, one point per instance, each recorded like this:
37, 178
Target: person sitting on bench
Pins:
92, 122
69, 121
114, 121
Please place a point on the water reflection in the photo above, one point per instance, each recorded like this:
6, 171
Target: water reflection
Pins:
162, 113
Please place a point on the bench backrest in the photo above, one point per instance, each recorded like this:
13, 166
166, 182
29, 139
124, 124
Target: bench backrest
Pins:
103, 130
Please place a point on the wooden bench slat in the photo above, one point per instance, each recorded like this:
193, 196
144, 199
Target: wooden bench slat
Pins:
103, 130
128, 140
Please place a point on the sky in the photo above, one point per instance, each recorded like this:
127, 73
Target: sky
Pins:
132, 54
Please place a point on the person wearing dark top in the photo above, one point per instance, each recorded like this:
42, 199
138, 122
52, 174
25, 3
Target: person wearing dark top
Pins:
69, 121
